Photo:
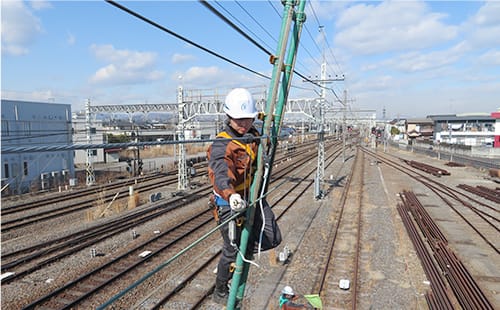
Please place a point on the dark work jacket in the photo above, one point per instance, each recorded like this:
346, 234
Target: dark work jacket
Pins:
231, 163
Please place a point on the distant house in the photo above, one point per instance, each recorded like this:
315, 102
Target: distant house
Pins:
474, 129
420, 129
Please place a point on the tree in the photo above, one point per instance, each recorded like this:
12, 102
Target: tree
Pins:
394, 131
118, 138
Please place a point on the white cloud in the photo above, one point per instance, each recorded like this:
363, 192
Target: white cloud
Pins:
324, 10
126, 67
71, 40
182, 58
40, 4
491, 57
213, 77
20, 28
391, 26
488, 14
483, 28
202, 75
413, 62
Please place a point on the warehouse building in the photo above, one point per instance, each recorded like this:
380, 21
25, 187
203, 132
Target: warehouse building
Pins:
28, 124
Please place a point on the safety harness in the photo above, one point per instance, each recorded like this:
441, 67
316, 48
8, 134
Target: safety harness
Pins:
216, 201
250, 152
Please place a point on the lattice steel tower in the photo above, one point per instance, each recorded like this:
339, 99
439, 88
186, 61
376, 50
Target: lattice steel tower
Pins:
89, 169
182, 172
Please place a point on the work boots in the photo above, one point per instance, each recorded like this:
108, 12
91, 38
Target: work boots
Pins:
221, 292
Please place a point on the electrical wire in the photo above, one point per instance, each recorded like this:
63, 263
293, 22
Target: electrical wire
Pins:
257, 22
227, 21
267, 32
123, 8
137, 15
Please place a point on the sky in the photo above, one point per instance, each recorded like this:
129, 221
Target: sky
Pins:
399, 59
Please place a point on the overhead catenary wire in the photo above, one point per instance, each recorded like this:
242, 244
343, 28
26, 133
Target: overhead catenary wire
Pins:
212, 52
312, 57
325, 38
227, 21
301, 44
147, 20
257, 22
253, 41
84, 146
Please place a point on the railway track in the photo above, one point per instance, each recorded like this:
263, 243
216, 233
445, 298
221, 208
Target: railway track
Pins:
451, 284
440, 262
183, 277
485, 221
342, 259
188, 295
19, 218
27, 260
346, 244
64, 291
50, 207
39, 255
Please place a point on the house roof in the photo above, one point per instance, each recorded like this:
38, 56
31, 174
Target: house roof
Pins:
420, 121
461, 118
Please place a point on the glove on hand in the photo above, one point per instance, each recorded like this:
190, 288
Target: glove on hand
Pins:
237, 204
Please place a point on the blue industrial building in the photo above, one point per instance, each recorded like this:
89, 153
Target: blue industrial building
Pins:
26, 124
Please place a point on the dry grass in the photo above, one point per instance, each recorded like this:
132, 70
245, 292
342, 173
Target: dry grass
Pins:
166, 150
104, 209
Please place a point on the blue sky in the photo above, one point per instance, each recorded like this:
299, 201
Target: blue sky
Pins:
411, 58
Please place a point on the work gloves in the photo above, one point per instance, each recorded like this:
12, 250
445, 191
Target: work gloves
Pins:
237, 204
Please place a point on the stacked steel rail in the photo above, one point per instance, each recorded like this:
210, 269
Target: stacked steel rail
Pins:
445, 265
427, 168
482, 191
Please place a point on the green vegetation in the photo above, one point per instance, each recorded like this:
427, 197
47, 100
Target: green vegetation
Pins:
118, 138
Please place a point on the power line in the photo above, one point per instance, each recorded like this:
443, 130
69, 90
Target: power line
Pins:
245, 35
325, 38
121, 7
137, 15
257, 22
301, 43
227, 21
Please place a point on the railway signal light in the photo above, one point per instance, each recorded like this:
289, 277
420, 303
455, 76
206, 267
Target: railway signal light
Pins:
129, 166
139, 166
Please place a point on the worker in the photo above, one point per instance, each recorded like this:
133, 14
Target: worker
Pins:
287, 299
231, 165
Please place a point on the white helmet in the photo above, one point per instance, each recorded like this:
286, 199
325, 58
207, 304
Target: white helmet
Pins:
239, 104
287, 290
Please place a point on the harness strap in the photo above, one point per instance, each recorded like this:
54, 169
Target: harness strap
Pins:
248, 150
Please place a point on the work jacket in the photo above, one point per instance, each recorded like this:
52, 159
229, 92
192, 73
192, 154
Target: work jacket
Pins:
288, 304
231, 163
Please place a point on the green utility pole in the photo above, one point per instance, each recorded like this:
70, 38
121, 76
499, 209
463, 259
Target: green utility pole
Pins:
271, 127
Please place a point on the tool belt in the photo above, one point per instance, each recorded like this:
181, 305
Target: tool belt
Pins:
213, 206
215, 203
219, 205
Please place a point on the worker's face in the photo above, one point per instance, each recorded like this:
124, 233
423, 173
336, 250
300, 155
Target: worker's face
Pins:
241, 125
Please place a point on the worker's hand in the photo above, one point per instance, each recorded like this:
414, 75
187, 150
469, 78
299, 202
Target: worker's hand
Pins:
237, 204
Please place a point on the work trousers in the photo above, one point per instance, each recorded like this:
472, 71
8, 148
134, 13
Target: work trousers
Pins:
271, 238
